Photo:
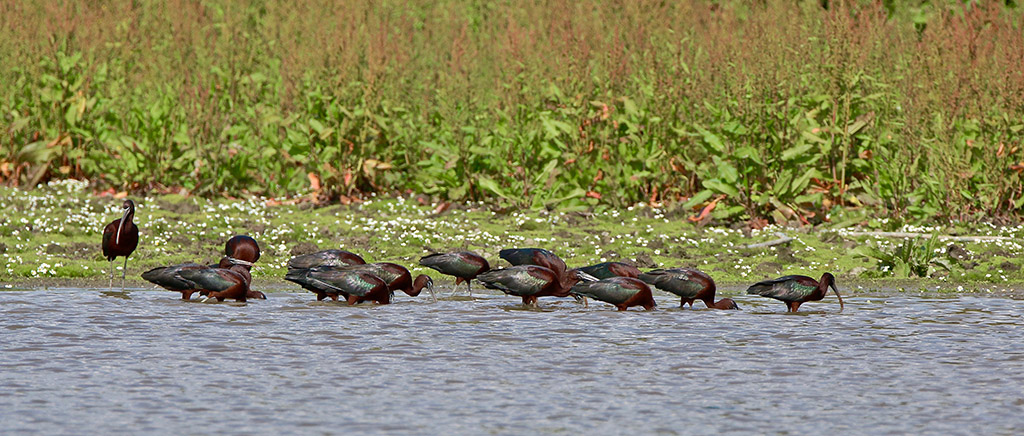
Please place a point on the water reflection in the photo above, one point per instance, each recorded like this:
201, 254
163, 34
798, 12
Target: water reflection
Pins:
79, 361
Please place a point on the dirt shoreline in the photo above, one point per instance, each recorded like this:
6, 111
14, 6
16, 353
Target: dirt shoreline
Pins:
849, 288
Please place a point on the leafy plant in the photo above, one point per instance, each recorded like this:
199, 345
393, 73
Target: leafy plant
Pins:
910, 258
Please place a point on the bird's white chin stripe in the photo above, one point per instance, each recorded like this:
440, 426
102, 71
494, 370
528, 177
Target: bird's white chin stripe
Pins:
240, 261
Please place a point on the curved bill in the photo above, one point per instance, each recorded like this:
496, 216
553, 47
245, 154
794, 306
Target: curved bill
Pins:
430, 288
833, 286
235, 261
120, 225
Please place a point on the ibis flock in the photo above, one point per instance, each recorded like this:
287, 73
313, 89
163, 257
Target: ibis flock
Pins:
533, 273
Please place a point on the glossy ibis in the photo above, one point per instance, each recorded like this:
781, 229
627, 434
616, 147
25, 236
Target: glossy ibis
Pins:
239, 250
120, 238
534, 256
612, 269
400, 279
220, 283
529, 282
242, 247
325, 258
354, 284
795, 290
622, 292
170, 277
689, 284
464, 265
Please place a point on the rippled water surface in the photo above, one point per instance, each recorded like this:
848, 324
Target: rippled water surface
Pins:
91, 362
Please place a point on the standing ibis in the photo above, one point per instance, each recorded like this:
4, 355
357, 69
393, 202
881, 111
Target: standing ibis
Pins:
795, 290
120, 238
689, 284
464, 265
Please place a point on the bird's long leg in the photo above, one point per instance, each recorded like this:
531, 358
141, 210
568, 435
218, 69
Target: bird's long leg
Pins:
123, 272
111, 285
469, 288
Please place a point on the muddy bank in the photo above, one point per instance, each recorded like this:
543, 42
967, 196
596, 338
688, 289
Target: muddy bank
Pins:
51, 238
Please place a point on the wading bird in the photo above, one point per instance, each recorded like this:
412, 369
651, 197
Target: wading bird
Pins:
396, 276
242, 247
529, 282
221, 283
622, 292
120, 238
172, 279
534, 256
354, 284
399, 278
464, 265
689, 284
795, 290
612, 269
331, 257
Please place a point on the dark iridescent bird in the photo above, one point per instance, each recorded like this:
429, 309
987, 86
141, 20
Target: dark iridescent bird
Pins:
120, 238
400, 279
534, 256
689, 284
529, 282
464, 265
220, 283
332, 257
796, 290
172, 278
612, 269
242, 247
244, 250
239, 250
397, 277
622, 292
355, 285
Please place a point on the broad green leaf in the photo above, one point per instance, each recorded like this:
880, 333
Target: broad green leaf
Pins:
726, 171
711, 139
797, 151
699, 198
721, 187
490, 185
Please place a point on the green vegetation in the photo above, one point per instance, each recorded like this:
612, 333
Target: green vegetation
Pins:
51, 235
787, 111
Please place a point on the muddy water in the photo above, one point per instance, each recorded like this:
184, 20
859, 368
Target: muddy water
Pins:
93, 362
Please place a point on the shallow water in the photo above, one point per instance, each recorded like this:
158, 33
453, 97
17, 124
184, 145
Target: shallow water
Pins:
90, 362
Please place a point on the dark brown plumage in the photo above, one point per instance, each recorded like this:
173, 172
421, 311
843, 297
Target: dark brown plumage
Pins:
120, 238
689, 284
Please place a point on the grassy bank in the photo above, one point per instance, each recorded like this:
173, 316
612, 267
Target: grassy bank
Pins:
782, 111
51, 236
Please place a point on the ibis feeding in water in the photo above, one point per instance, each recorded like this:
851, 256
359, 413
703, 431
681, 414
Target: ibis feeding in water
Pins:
796, 290
464, 265
689, 284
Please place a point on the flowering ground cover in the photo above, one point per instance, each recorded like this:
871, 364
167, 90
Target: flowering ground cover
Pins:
50, 236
